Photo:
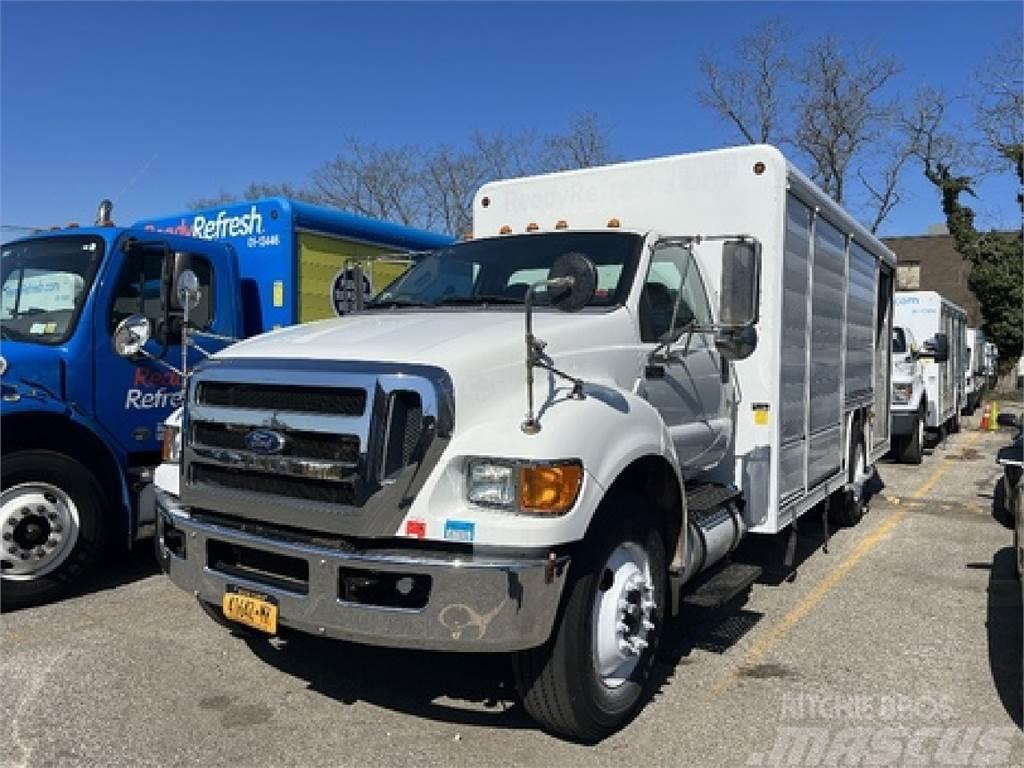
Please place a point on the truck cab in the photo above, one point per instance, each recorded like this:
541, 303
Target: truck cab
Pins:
81, 426
909, 398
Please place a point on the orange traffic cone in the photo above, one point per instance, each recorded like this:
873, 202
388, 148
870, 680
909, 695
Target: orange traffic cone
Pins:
986, 416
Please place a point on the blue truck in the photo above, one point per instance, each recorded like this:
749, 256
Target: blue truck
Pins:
81, 427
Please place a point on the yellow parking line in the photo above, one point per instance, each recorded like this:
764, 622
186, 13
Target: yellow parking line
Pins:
764, 645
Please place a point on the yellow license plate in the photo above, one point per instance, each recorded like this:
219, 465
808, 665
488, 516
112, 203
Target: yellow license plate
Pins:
252, 610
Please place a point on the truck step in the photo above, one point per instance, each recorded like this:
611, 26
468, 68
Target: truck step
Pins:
722, 586
705, 497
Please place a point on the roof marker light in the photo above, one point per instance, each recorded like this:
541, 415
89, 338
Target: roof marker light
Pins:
533, 226
562, 224
505, 230
614, 223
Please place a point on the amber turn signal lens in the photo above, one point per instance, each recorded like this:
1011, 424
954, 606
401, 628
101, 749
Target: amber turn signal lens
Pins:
550, 489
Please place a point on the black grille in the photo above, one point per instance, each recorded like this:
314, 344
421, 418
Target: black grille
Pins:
308, 445
279, 485
340, 401
405, 427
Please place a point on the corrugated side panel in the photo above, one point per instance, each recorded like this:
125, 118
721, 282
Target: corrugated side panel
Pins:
826, 325
883, 357
860, 317
791, 469
793, 358
794, 319
825, 450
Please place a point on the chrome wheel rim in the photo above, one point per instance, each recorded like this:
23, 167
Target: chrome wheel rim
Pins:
860, 469
623, 614
39, 527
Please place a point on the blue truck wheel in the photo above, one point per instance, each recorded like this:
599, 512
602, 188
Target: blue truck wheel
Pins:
51, 526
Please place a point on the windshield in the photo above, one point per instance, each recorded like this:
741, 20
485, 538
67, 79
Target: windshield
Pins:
501, 270
44, 285
899, 342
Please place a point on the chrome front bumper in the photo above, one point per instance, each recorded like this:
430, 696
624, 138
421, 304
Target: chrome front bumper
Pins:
473, 604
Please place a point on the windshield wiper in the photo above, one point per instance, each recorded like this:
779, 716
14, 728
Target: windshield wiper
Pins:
393, 303
470, 300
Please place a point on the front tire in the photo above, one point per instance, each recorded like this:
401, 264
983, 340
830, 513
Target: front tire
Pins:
589, 679
911, 447
51, 524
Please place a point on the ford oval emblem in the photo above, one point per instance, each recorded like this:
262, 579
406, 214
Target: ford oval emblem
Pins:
264, 441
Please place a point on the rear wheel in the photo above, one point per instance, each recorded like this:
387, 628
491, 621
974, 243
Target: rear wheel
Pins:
51, 526
846, 506
589, 679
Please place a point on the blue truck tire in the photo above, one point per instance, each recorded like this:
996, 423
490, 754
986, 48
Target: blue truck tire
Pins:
51, 525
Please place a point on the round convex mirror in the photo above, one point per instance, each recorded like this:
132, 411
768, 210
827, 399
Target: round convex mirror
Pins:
131, 335
584, 281
188, 289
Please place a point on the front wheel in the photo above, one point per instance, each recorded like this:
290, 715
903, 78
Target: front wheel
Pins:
589, 679
911, 448
51, 526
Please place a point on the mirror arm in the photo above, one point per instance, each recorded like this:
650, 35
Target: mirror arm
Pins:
535, 348
159, 361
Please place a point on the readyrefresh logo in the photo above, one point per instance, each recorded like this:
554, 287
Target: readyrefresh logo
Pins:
222, 226
215, 228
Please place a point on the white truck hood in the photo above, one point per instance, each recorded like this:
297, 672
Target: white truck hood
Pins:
483, 351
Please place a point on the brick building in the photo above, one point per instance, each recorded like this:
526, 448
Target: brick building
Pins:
931, 263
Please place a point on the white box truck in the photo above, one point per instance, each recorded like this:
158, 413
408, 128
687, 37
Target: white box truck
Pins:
976, 365
528, 442
940, 326
909, 398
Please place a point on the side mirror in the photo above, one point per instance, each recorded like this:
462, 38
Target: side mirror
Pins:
736, 343
940, 348
741, 283
131, 336
187, 289
572, 282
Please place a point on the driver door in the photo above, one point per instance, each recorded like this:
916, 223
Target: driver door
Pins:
690, 388
133, 397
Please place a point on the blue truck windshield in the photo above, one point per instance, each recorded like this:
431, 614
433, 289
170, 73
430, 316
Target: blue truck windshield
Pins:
500, 270
44, 285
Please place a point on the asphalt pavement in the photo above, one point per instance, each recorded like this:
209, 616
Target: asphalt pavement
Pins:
899, 645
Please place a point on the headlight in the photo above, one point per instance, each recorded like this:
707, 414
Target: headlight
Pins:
547, 488
901, 393
172, 445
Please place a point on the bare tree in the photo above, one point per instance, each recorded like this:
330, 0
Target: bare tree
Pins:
749, 94
999, 106
256, 191
584, 145
434, 189
379, 182
841, 111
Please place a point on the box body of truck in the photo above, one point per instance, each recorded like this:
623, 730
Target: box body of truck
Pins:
826, 304
976, 369
290, 254
929, 314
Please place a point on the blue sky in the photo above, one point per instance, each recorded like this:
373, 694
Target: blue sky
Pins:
155, 104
